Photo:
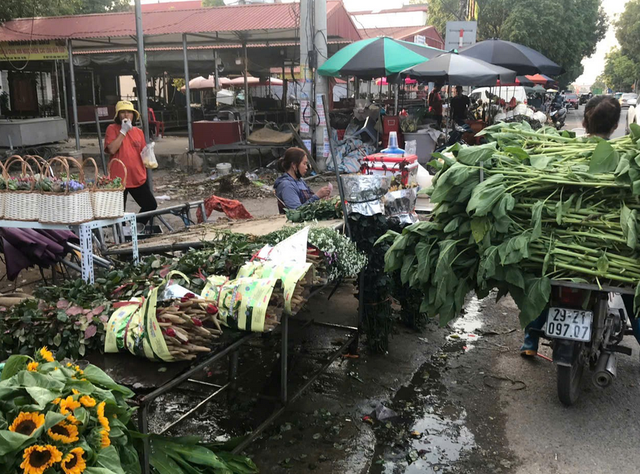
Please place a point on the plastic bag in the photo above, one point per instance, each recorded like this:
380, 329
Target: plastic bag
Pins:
149, 156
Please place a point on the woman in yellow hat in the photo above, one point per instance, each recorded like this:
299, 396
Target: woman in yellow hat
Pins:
125, 142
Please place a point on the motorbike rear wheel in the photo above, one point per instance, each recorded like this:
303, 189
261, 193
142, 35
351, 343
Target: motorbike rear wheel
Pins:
569, 379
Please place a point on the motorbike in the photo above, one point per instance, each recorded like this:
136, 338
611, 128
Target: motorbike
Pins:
558, 115
455, 136
585, 329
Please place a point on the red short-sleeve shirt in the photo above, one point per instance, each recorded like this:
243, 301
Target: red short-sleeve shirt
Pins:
129, 154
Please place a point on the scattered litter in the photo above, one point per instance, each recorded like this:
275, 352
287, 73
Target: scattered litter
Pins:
164, 197
384, 413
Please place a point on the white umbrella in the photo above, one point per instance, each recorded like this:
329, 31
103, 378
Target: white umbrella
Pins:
239, 81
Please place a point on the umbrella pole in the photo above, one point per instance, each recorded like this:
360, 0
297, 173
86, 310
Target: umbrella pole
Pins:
397, 91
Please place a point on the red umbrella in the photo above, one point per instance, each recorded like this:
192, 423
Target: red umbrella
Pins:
383, 81
538, 79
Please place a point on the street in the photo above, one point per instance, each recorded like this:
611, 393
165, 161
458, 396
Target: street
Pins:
574, 121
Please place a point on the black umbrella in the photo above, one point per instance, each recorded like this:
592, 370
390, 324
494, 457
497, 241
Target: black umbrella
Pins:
460, 70
513, 56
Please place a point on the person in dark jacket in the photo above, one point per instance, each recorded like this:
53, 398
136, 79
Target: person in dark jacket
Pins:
291, 191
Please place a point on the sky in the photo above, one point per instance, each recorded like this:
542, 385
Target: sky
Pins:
593, 66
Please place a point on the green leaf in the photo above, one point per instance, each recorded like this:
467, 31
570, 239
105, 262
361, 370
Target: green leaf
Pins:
603, 264
516, 151
97, 376
407, 266
473, 155
536, 220
535, 299
109, 459
540, 162
12, 442
14, 364
42, 396
634, 130
52, 418
485, 196
604, 159
479, 228
629, 224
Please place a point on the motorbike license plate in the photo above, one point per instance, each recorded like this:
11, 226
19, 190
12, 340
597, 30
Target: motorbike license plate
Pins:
574, 324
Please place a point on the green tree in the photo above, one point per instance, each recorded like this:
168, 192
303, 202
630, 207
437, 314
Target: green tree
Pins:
620, 71
628, 30
213, 3
10, 9
442, 11
492, 14
599, 84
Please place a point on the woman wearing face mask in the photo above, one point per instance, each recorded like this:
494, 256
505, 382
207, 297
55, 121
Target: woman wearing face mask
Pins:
125, 142
291, 191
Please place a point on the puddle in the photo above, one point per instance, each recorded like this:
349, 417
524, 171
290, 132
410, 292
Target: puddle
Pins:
429, 434
466, 326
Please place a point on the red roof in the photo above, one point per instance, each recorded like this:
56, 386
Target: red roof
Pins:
164, 6
406, 33
406, 8
229, 19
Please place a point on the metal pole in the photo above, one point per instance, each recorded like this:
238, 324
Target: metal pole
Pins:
215, 69
104, 160
347, 230
64, 96
74, 102
93, 87
142, 75
186, 91
247, 129
395, 106
55, 66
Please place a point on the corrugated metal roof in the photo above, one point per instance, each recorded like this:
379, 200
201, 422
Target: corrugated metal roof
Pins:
240, 18
165, 6
406, 33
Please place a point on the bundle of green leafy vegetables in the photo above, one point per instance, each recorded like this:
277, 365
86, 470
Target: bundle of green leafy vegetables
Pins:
523, 209
322, 209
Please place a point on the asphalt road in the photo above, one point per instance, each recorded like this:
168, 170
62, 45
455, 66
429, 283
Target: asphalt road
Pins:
574, 121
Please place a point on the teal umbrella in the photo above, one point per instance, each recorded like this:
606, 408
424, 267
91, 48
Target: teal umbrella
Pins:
376, 57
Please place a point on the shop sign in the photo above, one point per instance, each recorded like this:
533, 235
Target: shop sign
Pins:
33, 51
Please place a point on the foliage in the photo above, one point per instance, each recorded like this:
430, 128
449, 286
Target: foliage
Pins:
492, 14
628, 30
322, 209
599, 84
213, 3
71, 317
620, 71
77, 420
442, 11
550, 207
377, 319
10, 9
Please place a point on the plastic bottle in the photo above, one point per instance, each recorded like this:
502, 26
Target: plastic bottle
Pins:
393, 149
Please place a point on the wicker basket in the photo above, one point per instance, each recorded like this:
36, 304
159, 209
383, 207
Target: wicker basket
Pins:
109, 203
70, 207
21, 205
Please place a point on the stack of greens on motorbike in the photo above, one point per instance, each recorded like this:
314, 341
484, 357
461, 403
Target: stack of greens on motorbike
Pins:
526, 208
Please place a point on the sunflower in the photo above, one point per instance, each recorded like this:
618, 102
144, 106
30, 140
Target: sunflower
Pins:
27, 423
56, 401
73, 420
105, 441
38, 459
74, 463
64, 432
104, 421
74, 391
68, 404
46, 354
32, 366
87, 401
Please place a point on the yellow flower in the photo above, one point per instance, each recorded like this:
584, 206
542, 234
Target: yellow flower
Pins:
68, 404
55, 368
38, 459
63, 432
87, 401
27, 423
46, 354
56, 401
69, 364
32, 366
101, 418
73, 419
105, 441
74, 462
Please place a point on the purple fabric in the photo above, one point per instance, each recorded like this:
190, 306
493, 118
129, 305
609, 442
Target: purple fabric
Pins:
24, 248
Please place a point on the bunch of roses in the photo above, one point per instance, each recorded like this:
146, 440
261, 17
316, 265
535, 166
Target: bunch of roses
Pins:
60, 419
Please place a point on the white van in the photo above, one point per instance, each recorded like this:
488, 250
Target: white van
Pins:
505, 92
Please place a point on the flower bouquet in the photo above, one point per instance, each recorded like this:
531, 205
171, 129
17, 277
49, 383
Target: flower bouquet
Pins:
65, 198
21, 197
107, 197
59, 418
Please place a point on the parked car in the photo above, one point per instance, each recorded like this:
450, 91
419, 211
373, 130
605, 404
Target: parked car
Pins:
632, 117
628, 98
572, 100
617, 95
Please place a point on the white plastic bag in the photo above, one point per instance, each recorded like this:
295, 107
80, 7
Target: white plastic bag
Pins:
149, 157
